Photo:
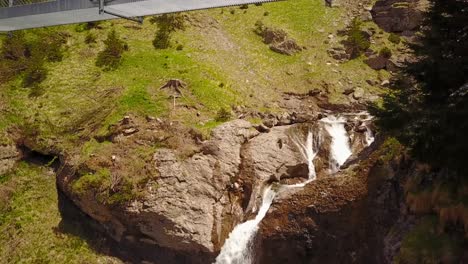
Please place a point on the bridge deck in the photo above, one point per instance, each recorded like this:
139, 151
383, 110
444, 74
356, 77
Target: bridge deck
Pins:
62, 12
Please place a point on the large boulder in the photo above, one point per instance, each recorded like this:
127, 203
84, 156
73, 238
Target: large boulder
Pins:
397, 15
271, 157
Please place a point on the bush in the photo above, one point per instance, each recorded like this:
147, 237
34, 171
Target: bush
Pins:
90, 38
394, 38
167, 24
357, 40
111, 57
259, 28
86, 26
35, 73
48, 46
28, 55
15, 47
223, 115
386, 53
162, 40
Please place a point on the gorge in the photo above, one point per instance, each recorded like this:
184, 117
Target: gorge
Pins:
299, 131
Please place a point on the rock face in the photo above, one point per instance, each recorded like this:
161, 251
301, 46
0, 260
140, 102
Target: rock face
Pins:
187, 212
341, 219
9, 155
270, 157
397, 15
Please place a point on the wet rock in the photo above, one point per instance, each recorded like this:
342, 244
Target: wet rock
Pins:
341, 219
268, 157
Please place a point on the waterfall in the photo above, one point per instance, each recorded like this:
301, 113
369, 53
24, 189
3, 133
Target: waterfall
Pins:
369, 136
340, 149
309, 150
238, 247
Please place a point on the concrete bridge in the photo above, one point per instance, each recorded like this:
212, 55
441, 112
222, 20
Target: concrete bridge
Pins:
25, 14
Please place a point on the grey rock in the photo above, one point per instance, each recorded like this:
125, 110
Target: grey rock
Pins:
9, 155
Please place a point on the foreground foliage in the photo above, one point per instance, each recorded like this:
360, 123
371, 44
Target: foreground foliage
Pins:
428, 107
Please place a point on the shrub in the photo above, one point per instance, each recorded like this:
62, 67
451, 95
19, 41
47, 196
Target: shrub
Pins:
90, 38
35, 73
223, 115
15, 47
111, 57
259, 27
86, 26
162, 40
244, 7
180, 47
357, 40
394, 38
386, 53
167, 24
48, 46
28, 55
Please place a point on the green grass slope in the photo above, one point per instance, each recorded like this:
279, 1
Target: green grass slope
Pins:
223, 61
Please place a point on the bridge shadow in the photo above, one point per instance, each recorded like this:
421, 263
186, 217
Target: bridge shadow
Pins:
76, 223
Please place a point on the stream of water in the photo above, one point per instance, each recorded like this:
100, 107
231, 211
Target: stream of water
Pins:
238, 248
340, 149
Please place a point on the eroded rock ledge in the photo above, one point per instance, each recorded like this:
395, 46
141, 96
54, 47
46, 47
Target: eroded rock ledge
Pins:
189, 209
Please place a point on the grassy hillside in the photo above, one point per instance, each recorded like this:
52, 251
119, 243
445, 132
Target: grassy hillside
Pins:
31, 227
225, 65
223, 61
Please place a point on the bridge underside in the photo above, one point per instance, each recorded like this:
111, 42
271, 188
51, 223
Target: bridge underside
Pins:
61, 12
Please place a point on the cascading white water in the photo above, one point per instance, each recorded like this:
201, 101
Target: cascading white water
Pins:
237, 248
369, 136
308, 150
340, 149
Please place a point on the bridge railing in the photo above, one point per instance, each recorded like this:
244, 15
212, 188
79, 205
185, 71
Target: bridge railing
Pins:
11, 3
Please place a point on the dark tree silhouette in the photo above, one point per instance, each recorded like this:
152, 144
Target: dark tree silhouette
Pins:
428, 107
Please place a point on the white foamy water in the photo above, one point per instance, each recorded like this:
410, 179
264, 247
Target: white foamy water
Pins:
309, 150
369, 136
340, 149
238, 248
